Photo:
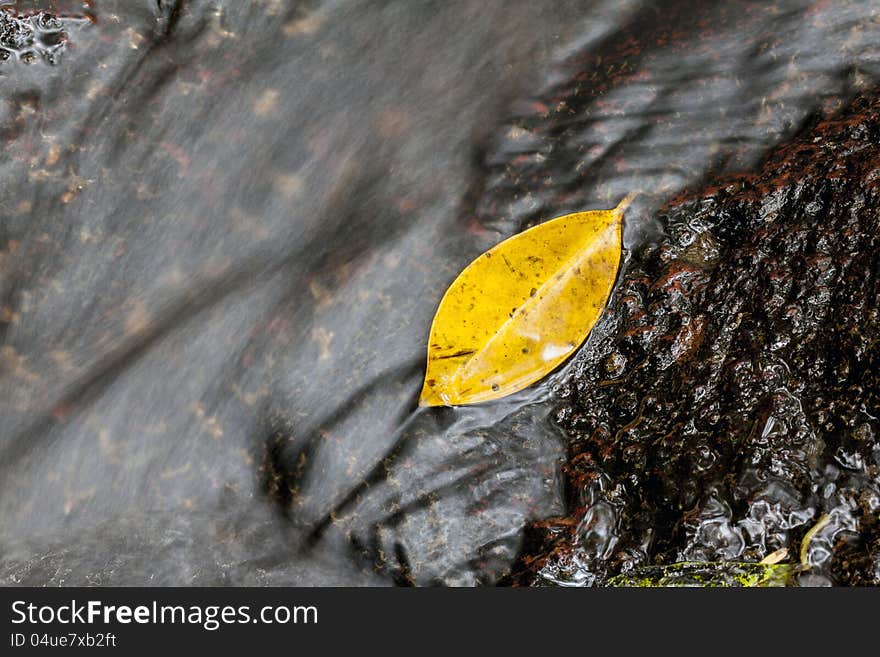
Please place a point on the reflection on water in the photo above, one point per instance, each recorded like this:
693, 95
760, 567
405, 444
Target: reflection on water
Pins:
225, 227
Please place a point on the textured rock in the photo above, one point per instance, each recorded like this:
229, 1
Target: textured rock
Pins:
730, 397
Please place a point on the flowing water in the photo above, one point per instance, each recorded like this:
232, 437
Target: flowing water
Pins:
225, 227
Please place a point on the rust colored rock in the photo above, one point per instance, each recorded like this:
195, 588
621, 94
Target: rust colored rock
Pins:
749, 401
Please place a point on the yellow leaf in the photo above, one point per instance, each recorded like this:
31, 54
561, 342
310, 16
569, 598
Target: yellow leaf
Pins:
520, 309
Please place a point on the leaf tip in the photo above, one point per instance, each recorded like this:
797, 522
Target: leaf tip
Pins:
625, 202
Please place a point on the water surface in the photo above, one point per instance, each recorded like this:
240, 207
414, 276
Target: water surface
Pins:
225, 227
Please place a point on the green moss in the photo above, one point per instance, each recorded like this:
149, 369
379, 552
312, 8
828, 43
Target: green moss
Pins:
709, 574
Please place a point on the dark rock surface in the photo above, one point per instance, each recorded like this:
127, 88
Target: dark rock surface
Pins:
730, 398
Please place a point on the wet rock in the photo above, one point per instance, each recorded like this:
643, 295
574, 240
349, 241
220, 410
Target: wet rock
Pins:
224, 230
749, 405
24, 38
